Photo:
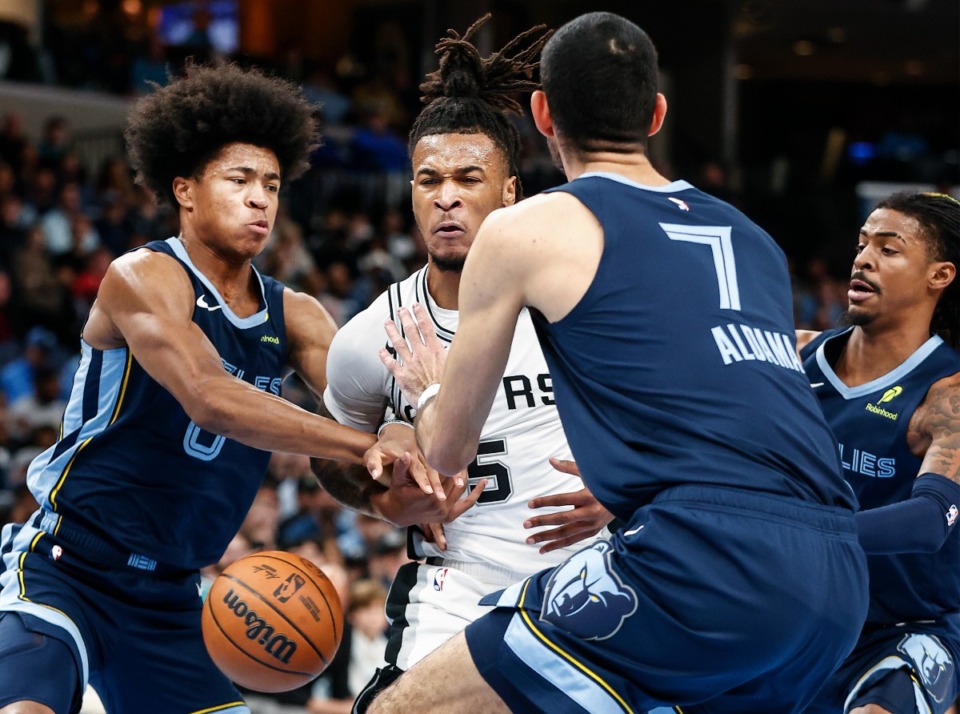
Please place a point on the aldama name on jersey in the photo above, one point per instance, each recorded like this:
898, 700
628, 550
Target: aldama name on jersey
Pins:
739, 343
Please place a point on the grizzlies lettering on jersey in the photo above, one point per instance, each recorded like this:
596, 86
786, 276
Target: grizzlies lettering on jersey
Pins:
870, 422
688, 310
520, 434
121, 427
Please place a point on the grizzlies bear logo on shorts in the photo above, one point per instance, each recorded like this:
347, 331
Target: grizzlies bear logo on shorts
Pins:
932, 663
585, 597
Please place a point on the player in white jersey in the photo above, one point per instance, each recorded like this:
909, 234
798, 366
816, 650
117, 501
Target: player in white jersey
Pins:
464, 153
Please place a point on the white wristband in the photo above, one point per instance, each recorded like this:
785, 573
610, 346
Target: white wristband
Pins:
388, 422
427, 394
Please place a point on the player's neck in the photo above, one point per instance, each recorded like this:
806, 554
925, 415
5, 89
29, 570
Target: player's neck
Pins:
444, 287
634, 166
875, 350
233, 279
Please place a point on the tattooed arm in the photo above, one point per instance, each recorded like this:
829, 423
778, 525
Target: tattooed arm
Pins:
921, 523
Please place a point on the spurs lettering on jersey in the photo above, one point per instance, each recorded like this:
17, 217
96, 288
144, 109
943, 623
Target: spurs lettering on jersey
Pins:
518, 390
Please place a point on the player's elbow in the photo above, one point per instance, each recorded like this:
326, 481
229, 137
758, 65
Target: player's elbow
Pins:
208, 409
447, 461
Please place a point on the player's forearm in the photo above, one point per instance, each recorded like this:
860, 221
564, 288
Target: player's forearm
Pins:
239, 411
448, 448
920, 524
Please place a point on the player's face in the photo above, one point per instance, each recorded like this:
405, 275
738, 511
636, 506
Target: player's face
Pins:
233, 205
889, 276
458, 179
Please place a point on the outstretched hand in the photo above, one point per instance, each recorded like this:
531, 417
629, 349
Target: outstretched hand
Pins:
396, 442
573, 525
404, 503
415, 493
420, 353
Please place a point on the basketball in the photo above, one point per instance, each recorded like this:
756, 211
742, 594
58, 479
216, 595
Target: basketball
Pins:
272, 621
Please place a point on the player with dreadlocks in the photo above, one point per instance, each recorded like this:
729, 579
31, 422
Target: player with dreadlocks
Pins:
890, 388
464, 152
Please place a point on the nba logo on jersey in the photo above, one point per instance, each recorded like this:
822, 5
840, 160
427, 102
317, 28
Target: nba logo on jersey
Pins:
951, 515
56, 551
439, 578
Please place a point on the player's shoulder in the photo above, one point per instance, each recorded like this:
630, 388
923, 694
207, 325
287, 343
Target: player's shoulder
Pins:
364, 334
542, 220
145, 270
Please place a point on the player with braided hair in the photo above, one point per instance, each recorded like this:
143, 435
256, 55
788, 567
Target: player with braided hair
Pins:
736, 584
889, 386
174, 411
464, 153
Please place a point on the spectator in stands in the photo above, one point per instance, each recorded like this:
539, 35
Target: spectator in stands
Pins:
39, 296
263, 519
41, 407
57, 223
150, 67
321, 89
360, 652
18, 378
9, 346
18, 60
15, 221
376, 146
12, 139
55, 141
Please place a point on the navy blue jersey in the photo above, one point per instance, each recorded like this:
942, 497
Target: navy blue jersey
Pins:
133, 468
870, 422
678, 365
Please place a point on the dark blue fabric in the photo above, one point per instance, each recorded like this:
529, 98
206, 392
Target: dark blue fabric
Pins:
678, 365
921, 524
744, 603
870, 424
137, 482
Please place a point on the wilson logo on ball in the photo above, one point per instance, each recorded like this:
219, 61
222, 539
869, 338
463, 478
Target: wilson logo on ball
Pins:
277, 645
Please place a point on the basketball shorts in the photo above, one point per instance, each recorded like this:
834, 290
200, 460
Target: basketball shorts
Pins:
429, 602
133, 635
906, 669
710, 600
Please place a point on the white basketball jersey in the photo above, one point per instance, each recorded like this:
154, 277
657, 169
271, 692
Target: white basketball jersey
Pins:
521, 433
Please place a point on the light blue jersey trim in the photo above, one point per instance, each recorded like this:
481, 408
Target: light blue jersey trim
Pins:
888, 379
671, 187
558, 671
10, 600
45, 470
258, 318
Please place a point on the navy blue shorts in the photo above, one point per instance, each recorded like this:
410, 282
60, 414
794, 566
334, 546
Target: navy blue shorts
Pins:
905, 670
133, 635
710, 600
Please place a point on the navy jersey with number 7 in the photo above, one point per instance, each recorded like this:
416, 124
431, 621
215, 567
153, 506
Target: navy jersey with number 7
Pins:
678, 365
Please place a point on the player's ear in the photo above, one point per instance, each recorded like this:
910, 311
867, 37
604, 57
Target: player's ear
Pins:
509, 194
540, 111
942, 274
659, 112
183, 191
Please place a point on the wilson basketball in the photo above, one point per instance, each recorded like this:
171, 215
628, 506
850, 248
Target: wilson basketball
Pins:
272, 621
